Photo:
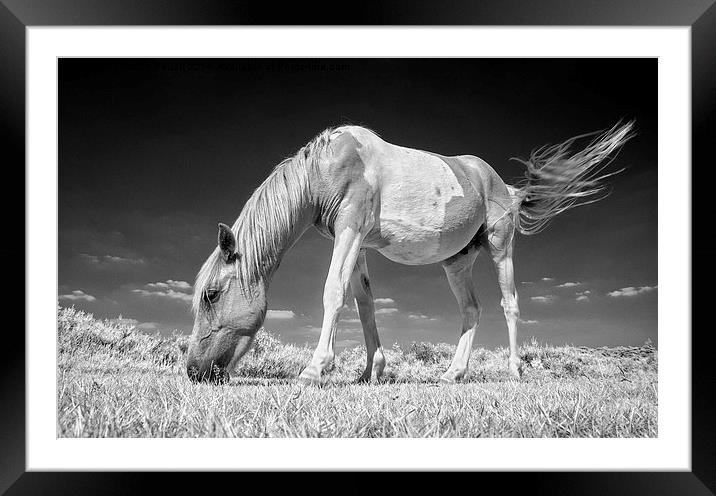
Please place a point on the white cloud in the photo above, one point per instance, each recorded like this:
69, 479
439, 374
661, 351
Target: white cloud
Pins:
384, 301
528, 322
148, 326
183, 285
384, 311
548, 279
170, 284
569, 284
168, 294
631, 291
100, 260
420, 316
527, 283
582, 295
280, 314
543, 299
77, 295
121, 320
169, 290
350, 309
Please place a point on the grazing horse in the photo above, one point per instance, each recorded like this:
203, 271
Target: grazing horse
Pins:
414, 207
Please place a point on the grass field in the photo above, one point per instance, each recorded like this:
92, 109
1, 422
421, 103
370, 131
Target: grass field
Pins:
113, 381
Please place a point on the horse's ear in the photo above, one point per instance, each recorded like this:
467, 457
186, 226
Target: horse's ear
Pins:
227, 242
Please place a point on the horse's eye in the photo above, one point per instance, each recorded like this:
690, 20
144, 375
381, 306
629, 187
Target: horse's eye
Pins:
211, 295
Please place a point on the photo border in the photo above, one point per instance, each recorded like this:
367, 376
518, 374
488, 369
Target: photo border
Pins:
16, 15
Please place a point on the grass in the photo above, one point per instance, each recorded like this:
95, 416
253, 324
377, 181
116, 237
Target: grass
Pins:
114, 381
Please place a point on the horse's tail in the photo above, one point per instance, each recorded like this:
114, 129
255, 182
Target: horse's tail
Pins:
557, 179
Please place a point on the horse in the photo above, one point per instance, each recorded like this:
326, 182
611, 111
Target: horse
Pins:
414, 207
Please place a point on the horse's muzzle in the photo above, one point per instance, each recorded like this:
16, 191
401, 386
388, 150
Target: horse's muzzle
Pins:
212, 374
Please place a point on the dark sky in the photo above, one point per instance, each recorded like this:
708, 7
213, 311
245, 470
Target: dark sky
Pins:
153, 153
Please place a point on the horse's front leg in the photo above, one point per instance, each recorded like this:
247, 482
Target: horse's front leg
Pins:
345, 253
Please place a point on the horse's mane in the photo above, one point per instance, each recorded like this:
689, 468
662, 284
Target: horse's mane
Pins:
267, 220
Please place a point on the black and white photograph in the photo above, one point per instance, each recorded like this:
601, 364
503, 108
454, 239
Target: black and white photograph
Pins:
357, 247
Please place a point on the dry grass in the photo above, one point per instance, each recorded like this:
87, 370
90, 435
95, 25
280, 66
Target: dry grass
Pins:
114, 381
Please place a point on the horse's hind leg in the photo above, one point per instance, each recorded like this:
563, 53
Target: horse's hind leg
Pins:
499, 244
458, 269
360, 285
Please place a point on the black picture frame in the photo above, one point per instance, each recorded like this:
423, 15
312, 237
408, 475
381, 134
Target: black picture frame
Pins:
700, 15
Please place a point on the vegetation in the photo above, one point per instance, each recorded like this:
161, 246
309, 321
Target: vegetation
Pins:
115, 381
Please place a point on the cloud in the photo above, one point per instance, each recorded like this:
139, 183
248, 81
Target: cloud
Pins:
349, 308
527, 283
420, 316
543, 299
121, 320
280, 314
384, 301
569, 284
547, 279
385, 311
168, 294
77, 295
169, 290
631, 291
528, 322
147, 326
105, 260
170, 284
582, 295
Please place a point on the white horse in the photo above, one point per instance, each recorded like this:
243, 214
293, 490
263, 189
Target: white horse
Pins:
414, 207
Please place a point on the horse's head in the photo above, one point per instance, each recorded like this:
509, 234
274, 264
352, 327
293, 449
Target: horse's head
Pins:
227, 313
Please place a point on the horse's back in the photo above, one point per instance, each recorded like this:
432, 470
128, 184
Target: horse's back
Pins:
390, 160
429, 206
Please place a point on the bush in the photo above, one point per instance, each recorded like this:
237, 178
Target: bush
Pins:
265, 342
89, 343
432, 353
84, 341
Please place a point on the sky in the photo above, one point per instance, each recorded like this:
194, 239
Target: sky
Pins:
154, 152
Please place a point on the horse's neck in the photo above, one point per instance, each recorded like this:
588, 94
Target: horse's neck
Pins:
299, 228
306, 208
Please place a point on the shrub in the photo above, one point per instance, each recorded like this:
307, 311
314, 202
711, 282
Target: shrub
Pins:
432, 353
265, 342
84, 341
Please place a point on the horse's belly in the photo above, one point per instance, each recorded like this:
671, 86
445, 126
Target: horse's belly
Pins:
415, 245
429, 211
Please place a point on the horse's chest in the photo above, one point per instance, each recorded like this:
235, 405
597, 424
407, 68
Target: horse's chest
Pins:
429, 210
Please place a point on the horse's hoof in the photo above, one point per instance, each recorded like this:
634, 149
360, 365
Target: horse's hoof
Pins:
308, 381
515, 373
363, 379
453, 376
309, 378
447, 380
